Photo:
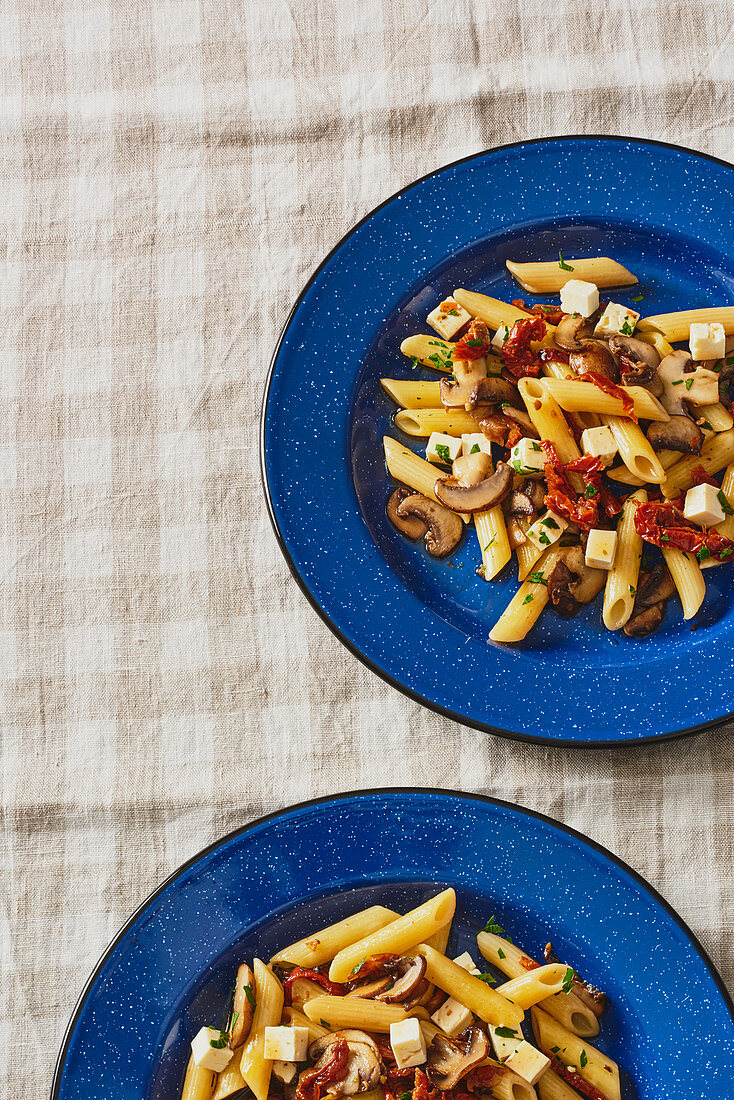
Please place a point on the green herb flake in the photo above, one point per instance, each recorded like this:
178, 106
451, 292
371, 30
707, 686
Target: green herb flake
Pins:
704, 553
568, 541
726, 552
567, 980
324, 1023
583, 1060
638, 297
486, 548
443, 452
556, 1050
591, 492
528, 599
500, 953
474, 343
627, 329
415, 362
730, 360
633, 590
406, 1095
475, 449
488, 978
496, 929
221, 1042
250, 994
689, 383
562, 264
678, 382
550, 522
505, 1032
706, 424
728, 510
543, 540
537, 447
537, 578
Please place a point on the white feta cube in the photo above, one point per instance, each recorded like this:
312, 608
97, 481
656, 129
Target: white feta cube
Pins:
442, 448
475, 441
600, 443
707, 341
546, 530
527, 457
528, 1063
703, 505
500, 336
408, 1043
452, 1017
578, 296
466, 962
448, 318
284, 1071
287, 1044
209, 1049
601, 546
506, 1043
616, 320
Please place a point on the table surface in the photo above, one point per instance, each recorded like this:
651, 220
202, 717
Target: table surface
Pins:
170, 174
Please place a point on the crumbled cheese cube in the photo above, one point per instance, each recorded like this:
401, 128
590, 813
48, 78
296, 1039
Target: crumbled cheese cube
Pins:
287, 1044
578, 296
284, 1071
452, 1017
601, 546
703, 506
546, 530
500, 336
707, 341
408, 1043
449, 445
475, 439
466, 962
616, 320
600, 443
505, 1045
527, 457
215, 1058
528, 1063
447, 318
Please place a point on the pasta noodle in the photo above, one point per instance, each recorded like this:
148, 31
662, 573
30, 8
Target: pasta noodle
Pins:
549, 277
634, 449
548, 418
598, 1069
535, 985
552, 1087
411, 470
413, 395
526, 605
716, 453
686, 573
626, 477
676, 326
199, 1083
490, 310
322, 946
716, 417
230, 1080
254, 1066
421, 422
339, 1012
621, 586
479, 997
578, 396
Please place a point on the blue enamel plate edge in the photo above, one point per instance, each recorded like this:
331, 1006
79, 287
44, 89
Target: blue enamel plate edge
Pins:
350, 584
640, 930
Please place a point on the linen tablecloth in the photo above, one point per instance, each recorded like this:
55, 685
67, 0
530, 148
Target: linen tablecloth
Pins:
170, 174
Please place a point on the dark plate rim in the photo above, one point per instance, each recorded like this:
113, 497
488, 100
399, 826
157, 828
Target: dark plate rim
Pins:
429, 704
356, 794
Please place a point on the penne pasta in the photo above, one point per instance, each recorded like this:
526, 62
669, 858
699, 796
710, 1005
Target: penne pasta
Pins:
490, 310
626, 477
716, 454
717, 417
421, 422
533, 986
403, 933
439, 939
621, 586
598, 1069
509, 1085
412, 470
550, 278
656, 340
547, 416
553, 1087
634, 449
493, 541
676, 326
688, 578
524, 609
469, 990
413, 395
429, 351
726, 527
254, 1066
359, 1012
198, 1083
230, 1080
578, 396
527, 556
321, 947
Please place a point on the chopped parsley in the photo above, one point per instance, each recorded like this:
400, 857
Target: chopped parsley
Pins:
474, 343
583, 1060
726, 552
704, 553
567, 980
416, 362
500, 953
452, 312
250, 994
489, 543
562, 264
728, 510
221, 1042
591, 492
536, 578
496, 929
505, 1032
544, 541
324, 1023
488, 978
633, 590
536, 446
678, 382
638, 297
556, 1050
443, 452
436, 343
627, 329
475, 449
406, 1095
550, 522
689, 383
528, 599
705, 424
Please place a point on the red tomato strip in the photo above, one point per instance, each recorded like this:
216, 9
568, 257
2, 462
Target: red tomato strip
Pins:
575, 1079
313, 975
605, 384
663, 524
312, 1081
475, 343
562, 498
517, 354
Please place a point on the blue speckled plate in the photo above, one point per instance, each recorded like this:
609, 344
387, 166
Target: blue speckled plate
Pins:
170, 969
666, 213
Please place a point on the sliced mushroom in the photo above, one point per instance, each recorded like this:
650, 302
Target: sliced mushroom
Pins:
638, 361
520, 504
444, 526
364, 1069
592, 997
471, 469
571, 582
243, 1006
494, 390
371, 988
682, 385
573, 331
476, 498
467, 372
521, 417
677, 434
410, 975
654, 588
451, 1059
594, 358
410, 526
644, 622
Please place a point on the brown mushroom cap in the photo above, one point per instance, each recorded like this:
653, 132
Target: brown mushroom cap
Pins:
681, 385
371, 987
476, 498
243, 1009
677, 434
411, 972
654, 588
364, 1069
571, 582
592, 997
572, 331
638, 361
494, 390
410, 526
445, 528
594, 357
451, 1059
467, 372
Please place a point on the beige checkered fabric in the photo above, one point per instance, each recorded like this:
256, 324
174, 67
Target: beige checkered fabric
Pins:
170, 172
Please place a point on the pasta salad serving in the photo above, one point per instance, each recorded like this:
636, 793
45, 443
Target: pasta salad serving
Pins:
595, 444
373, 1005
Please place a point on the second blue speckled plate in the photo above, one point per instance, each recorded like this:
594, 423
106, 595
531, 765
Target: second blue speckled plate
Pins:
666, 213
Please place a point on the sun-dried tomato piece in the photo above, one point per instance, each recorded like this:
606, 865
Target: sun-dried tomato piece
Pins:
312, 1081
700, 477
575, 1079
663, 524
475, 343
519, 358
334, 988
